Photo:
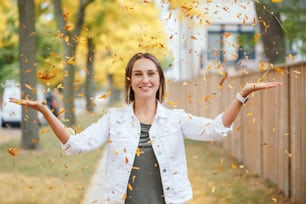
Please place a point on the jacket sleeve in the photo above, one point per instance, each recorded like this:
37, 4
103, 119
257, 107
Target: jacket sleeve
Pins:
89, 139
201, 128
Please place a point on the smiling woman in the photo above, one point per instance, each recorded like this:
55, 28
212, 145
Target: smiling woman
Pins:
145, 154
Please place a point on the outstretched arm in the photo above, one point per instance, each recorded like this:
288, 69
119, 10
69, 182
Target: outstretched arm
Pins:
233, 110
56, 125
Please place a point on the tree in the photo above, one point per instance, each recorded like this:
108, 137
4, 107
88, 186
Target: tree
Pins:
27, 51
294, 21
89, 84
140, 31
8, 42
70, 36
271, 31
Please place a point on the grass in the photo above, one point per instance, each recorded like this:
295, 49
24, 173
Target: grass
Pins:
217, 177
48, 176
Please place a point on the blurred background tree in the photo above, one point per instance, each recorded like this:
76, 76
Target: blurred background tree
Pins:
28, 81
282, 28
8, 43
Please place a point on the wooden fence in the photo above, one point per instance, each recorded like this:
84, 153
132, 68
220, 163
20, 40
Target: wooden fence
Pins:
269, 135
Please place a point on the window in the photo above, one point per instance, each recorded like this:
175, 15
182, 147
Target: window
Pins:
230, 43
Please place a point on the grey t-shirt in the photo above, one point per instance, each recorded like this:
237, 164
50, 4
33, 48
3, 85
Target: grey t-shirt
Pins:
145, 186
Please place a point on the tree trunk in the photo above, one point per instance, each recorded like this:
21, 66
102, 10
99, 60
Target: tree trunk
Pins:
89, 84
70, 49
27, 51
271, 32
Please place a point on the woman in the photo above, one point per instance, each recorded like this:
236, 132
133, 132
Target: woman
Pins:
145, 160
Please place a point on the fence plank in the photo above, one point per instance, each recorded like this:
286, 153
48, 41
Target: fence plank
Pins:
272, 141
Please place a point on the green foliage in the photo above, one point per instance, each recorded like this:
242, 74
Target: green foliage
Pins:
8, 43
293, 20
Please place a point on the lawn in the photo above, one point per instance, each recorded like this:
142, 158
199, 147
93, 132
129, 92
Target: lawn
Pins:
217, 177
48, 176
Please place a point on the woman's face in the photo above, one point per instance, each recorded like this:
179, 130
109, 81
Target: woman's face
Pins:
145, 79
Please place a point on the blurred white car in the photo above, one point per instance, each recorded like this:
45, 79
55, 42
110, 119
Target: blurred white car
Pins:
11, 113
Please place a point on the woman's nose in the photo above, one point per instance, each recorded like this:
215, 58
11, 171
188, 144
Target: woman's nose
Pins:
145, 78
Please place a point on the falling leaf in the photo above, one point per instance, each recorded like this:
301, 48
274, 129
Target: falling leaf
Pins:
219, 167
189, 99
104, 96
46, 75
28, 86
226, 35
171, 103
185, 83
12, 151
44, 131
130, 187
35, 140
28, 70
61, 111
138, 152
71, 61
195, 157
133, 178
207, 98
193, 38
224, 78
288, 154
67, 27
277, 1
124, 196
256, 36
136, 168
280, 70
126, 160
296, 72
234, 166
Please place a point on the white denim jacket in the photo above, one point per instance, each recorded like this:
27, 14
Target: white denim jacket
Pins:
121, 130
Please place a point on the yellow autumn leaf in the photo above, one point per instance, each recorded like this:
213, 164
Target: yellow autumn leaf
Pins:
234, 166
130, 187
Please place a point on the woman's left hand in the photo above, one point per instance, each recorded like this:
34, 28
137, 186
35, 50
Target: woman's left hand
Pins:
251, 87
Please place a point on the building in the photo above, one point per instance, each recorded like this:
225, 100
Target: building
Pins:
211, 35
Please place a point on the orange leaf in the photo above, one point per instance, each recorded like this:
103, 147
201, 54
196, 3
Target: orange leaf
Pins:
130, 187
256, 36
35, 140
12, 151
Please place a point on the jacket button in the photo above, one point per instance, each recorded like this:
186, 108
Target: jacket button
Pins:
168, 188
164, 170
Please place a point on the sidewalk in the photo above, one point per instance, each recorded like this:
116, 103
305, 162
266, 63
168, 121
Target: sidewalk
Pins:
94, 192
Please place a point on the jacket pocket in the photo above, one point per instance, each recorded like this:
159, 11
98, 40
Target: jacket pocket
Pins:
170, 140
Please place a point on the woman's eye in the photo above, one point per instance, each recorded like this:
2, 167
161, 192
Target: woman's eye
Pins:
151, 73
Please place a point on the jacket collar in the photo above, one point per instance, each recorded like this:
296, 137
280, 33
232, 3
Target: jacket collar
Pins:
161, 111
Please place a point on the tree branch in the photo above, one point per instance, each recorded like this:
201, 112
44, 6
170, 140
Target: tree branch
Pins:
80, 16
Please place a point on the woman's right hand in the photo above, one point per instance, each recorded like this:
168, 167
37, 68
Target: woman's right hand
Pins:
28, 103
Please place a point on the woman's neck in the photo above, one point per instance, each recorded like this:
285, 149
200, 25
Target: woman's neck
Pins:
145, 110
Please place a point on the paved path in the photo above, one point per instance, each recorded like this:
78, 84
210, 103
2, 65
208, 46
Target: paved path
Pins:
7, 134
94, 192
